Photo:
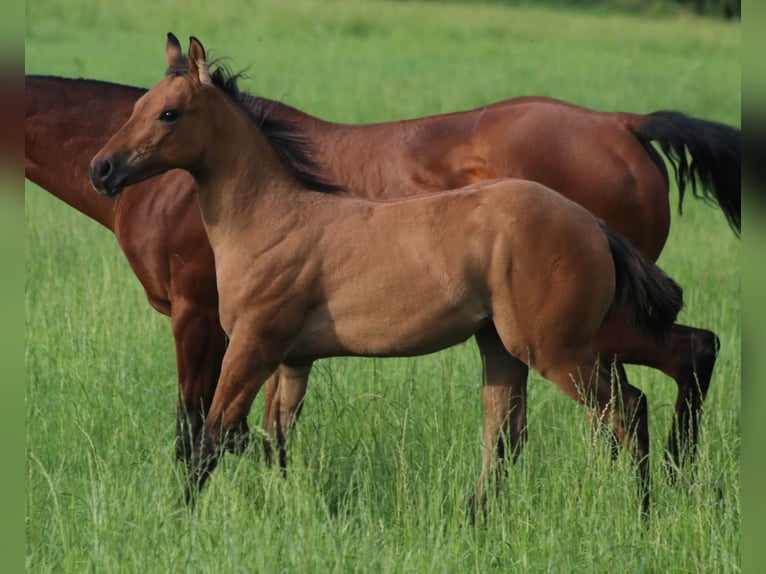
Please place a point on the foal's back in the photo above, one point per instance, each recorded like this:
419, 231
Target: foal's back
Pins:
503, 250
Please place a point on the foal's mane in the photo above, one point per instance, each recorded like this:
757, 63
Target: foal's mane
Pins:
291, 144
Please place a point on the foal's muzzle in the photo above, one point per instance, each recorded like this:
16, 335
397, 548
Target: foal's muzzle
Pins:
106, 176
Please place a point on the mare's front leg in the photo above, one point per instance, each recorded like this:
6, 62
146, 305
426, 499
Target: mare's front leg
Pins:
285, 391
246, 365
687, 355
200, 345
504, 397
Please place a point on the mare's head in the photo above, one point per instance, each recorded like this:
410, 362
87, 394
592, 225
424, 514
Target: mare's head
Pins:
161, 134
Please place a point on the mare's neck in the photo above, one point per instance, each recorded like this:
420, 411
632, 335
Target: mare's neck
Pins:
66, 123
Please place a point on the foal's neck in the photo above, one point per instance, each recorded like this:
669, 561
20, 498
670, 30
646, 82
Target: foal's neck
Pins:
240, 178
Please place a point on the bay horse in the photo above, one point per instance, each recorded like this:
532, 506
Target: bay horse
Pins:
303, 273
604, 161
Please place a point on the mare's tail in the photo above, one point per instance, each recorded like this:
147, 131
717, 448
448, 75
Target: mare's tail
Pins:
643, 290
715, 151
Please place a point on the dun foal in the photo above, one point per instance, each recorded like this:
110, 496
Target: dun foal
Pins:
304, 274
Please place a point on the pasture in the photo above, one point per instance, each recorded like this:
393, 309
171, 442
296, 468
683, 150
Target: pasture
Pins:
386, 453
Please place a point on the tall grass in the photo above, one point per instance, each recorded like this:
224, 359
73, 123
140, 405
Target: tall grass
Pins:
386, 453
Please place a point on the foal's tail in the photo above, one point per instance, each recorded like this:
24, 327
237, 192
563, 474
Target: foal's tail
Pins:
715, 151
652, 299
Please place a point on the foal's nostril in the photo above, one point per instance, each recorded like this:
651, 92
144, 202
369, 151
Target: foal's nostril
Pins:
105, 169
100, 171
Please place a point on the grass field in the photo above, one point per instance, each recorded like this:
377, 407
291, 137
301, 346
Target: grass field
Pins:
387, 451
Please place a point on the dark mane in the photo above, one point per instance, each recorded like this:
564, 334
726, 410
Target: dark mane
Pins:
287, 138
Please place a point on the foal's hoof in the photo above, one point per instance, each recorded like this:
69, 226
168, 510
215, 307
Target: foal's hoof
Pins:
477, 506
183, 450
671, 469
679, 470
238, 439
189, 499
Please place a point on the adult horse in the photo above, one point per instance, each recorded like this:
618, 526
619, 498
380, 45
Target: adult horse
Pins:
530, 273
604, 161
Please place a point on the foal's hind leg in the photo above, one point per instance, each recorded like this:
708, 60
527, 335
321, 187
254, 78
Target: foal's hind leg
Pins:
687, 355
504, 395
285, 390
590, 382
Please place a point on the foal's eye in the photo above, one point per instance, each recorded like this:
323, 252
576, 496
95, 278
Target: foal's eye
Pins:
169, 116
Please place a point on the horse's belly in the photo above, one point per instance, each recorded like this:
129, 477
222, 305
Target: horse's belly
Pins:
388, 332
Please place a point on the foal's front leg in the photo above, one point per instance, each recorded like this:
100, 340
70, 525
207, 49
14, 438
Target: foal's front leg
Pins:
245, 367
285, 390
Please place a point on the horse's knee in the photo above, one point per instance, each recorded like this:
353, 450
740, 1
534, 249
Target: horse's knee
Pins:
694, 353
705, 346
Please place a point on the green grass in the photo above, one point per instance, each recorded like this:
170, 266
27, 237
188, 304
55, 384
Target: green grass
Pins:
387, 451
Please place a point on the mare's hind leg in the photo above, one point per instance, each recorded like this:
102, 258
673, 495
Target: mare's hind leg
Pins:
687, 355
590, 382
285, 390
504, 395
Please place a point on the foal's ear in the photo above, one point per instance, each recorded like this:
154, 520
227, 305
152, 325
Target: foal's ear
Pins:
198, 62
173, 50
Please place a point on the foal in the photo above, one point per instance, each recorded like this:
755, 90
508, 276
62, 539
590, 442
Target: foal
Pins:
304, 274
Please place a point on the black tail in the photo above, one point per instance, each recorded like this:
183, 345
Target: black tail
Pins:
652, 299
715, 150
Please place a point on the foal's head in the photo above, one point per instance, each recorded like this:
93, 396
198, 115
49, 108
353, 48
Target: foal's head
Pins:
161, 133
164, 131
